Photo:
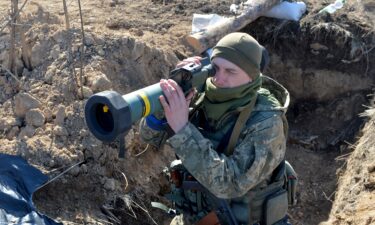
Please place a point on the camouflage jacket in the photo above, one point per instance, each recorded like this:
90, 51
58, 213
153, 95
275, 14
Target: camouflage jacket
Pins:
259, 150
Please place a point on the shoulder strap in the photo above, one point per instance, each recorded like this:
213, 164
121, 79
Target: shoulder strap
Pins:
196, 105
241, 121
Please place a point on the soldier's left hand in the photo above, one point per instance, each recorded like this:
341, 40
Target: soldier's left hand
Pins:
175, 104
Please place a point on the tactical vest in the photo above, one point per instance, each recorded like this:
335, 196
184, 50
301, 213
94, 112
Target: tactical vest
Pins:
260, 205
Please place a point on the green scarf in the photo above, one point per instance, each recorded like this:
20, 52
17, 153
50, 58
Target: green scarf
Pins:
219, 101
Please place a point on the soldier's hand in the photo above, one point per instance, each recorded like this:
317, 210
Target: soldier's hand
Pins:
194, 59
175, 104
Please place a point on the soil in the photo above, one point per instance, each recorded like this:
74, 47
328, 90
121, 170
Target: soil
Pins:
325, 60
355, 193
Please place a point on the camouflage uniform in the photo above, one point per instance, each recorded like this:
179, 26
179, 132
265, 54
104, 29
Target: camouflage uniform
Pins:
259, 150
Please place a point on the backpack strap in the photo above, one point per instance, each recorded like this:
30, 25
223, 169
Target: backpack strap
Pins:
241, 121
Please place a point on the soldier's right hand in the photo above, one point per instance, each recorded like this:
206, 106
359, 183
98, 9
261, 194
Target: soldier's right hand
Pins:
194, 59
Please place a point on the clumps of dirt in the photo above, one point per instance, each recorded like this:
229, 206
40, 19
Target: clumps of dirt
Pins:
343, 39
322, 55
354, 203
42, 120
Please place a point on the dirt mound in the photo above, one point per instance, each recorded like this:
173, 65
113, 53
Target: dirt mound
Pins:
326, 61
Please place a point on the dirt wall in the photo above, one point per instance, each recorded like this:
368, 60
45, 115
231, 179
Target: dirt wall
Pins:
355, 196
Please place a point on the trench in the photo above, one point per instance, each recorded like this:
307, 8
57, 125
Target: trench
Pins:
323, 62
322, 131
323, 119
327, 94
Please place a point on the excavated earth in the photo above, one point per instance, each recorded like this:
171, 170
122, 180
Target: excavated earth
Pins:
325, 60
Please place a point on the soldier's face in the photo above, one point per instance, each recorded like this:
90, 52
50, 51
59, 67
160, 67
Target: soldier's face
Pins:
228, 75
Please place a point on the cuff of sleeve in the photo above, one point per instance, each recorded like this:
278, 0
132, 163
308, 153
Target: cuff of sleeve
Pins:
181, 136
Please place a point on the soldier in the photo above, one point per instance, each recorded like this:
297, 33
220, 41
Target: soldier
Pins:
230, 145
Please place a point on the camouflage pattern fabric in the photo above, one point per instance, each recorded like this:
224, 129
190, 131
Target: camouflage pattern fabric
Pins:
260, 148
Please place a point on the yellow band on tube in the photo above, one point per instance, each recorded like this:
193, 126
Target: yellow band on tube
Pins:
147, 104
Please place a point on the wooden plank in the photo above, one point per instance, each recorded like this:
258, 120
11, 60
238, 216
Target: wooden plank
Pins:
201, 41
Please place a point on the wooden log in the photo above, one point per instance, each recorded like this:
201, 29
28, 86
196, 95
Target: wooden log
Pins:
201, 41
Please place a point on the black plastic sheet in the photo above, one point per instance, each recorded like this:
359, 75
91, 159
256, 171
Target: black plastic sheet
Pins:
18, 182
